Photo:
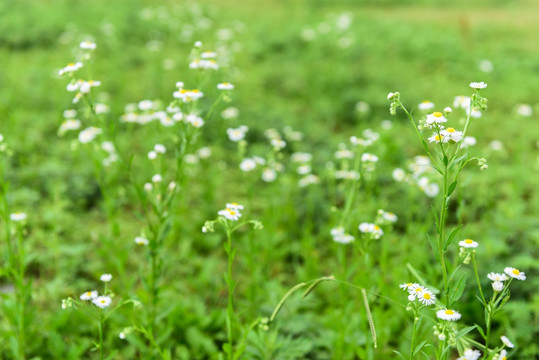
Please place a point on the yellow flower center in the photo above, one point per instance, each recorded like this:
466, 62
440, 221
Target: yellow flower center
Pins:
468, 241
196, 90
426, 102
449, 312
376, 227
231, 212
438, 137
409, 284
504, 358
418, 290
450, 130
516, 272
426, 296
89, 293
437, 114
102, 301
235, 204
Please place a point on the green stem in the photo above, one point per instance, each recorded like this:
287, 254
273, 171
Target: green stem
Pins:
101, 352
477, 278
230, 306
414, 330
441, 228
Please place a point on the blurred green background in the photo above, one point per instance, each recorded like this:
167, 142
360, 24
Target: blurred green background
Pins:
304, 64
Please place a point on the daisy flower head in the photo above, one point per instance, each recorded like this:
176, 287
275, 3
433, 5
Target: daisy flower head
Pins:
468, 243
435, 118
106, 277
102, 301
340, 236
470, 355
497, 286
230, 214
426, 297
515, 273
247, 165
87, 45
507, 342
437, 138
448, 315
238, 134
225, 86
234, 206
374, 230
407, 286
18, 216
478, 85
139, 240
387, 216
451, 135
89, 134
426, 105
70, 68
502, 356
157, 178
497, 277
369, 157
88, 295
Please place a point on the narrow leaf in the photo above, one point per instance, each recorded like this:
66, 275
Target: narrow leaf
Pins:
452, 188
452, 236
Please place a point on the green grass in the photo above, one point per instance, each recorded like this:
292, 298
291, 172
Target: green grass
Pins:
424, 50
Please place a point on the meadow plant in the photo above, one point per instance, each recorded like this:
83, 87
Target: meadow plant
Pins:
14, 265
448, 158
230, 219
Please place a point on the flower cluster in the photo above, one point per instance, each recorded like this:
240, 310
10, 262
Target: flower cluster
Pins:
231, 212
419, 293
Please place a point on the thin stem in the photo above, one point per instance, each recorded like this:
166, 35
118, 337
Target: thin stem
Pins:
477, 278
441, 228
230, 306
414, 330
101, 352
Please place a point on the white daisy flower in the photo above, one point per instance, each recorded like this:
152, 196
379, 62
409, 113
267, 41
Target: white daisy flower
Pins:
478, 85
106, 277
247, 165
468, 243
208, 55
70, 68
230, 113
278, 144
152, 155
234, 206
497, 286
89, 134
88, 295
399, 174
448, 110
462, 102
225, 86
87, 45
468, 141
148, 187
451, 135
102, 301
142, 241
269, 175
448, 314
435, 118
204, 152
503, 355
161, 149
437, 138
515, 273
70, 113
426, 297
344, 154
407, 286
373, 229
237, 134
426, 105
308, 180
524, 110
230, 214
470, 355
369, 157
17, 216
340, 236
497, 277
388, 216
507, 342
157, 178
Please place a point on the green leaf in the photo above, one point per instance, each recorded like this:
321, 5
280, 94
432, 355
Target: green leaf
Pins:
400, 355
480, 330
316, 282
419, 347
456, 290
434, 246
452, 188
464, 331
452, 236
445, 160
